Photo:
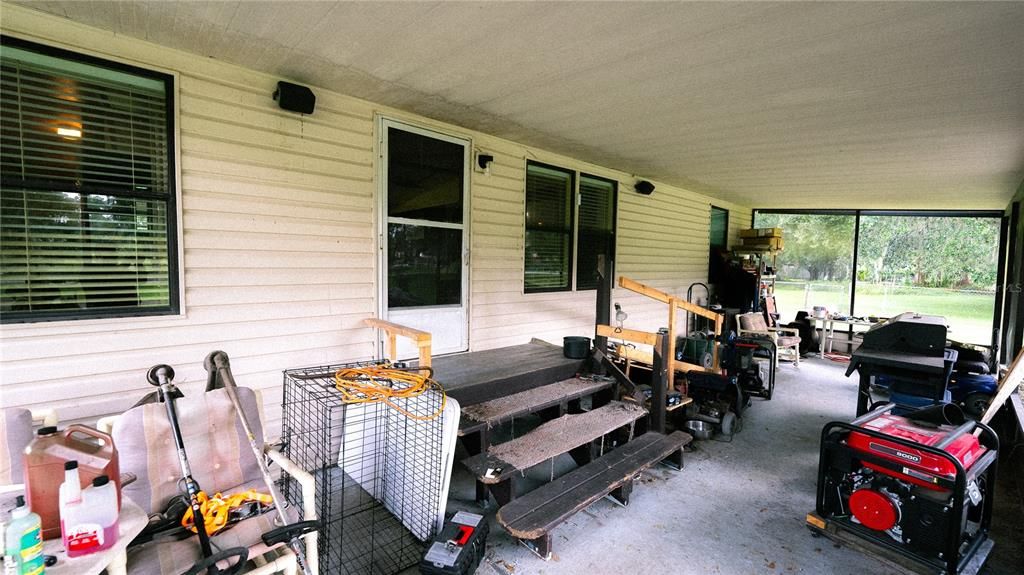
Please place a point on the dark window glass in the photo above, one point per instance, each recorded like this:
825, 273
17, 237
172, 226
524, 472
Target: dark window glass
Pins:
425, 177
425, 267
549, 216
719, 227
87, 194
596, 228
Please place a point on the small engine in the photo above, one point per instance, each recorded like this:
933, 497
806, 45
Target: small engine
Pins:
917, 487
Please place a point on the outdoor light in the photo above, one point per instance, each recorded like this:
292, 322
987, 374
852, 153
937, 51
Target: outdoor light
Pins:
484, 161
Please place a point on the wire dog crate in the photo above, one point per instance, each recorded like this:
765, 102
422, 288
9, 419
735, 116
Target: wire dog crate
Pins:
379, 472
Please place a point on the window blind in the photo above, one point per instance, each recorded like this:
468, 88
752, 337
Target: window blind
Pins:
596, 228
549, 217
86, 227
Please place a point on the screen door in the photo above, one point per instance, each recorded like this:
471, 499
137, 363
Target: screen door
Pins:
424, 240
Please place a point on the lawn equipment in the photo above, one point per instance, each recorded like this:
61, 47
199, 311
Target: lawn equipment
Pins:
218, 370
162, 377
916, 489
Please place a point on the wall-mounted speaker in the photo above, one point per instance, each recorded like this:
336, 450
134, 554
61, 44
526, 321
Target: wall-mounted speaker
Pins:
295, 98
644, 187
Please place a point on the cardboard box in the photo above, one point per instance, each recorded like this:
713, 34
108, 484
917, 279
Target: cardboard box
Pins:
761, 233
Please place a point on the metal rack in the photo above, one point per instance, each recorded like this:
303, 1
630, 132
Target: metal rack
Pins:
378, 471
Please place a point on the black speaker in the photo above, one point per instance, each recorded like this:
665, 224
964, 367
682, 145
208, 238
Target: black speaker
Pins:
295, 98
644, 187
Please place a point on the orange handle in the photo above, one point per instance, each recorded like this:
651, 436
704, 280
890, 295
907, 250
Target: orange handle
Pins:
90, 431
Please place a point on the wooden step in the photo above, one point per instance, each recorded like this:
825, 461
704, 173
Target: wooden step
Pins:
479, 376
550, 440
491, 413
533, 516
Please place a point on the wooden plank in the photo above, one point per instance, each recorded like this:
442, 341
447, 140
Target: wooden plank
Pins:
480, 376
536, 513
421, 339
492, 412
390, 327
551, 440
655, 293
888, 556
672, 301
631, 335
1012, 381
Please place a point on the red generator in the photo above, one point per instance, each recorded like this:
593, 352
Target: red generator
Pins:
909, 489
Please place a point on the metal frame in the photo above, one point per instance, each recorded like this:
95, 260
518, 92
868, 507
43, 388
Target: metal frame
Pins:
383, 124
858, 213
832, 436
175, 278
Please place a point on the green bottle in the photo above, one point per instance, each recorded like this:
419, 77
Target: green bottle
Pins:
25, 540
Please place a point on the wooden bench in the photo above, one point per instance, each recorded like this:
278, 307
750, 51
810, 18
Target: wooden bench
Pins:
571, 433
555, 399
532, 517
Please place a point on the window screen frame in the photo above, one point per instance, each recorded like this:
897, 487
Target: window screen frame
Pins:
576, 225
171, 200
575, 201
573, 193
711, 215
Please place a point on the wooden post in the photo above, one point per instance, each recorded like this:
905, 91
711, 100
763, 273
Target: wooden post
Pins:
420, 338
604, 299
659, 383
671, 342
714, 347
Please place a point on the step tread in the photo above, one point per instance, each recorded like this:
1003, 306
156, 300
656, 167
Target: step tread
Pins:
502, 409
534, 514
551, 439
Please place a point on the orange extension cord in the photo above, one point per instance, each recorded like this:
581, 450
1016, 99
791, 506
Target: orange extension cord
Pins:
377, 384
216, 509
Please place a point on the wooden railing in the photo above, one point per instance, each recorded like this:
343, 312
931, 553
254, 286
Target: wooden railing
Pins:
421, 339
675, 304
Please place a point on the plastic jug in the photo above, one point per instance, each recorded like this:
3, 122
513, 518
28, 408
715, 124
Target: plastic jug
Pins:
88, 517
44, 460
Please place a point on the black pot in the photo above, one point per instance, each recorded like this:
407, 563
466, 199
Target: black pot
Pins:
575, 347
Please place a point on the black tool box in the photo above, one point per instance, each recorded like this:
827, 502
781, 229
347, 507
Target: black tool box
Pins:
458, 548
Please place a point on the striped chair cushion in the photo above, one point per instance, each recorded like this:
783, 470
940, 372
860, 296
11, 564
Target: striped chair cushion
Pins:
217, 448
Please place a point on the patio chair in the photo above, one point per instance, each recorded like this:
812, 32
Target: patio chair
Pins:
221, 462
786, 339
16, 425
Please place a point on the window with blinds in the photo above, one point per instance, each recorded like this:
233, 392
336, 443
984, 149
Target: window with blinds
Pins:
549, 228
596, 228
86, 188
564, 237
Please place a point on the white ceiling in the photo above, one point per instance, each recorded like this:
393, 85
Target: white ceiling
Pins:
765, 104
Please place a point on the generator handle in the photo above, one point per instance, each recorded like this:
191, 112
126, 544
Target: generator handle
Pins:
965, 428
873, 414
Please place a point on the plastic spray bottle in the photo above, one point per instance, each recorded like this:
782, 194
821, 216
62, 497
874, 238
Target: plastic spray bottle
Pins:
24, 540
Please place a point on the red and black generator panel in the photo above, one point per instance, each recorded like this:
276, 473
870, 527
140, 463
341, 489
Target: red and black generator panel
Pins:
910, 485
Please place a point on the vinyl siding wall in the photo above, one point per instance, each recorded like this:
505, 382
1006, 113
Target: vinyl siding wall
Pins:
278, 220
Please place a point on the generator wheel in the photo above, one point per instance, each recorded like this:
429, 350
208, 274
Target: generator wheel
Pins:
707, 360
729, 423
976, 403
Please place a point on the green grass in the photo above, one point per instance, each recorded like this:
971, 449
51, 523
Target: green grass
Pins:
969, 314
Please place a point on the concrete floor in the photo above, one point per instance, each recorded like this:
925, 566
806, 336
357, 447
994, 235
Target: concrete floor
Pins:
736, 507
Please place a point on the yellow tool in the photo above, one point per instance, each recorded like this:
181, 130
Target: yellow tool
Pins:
216, 510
